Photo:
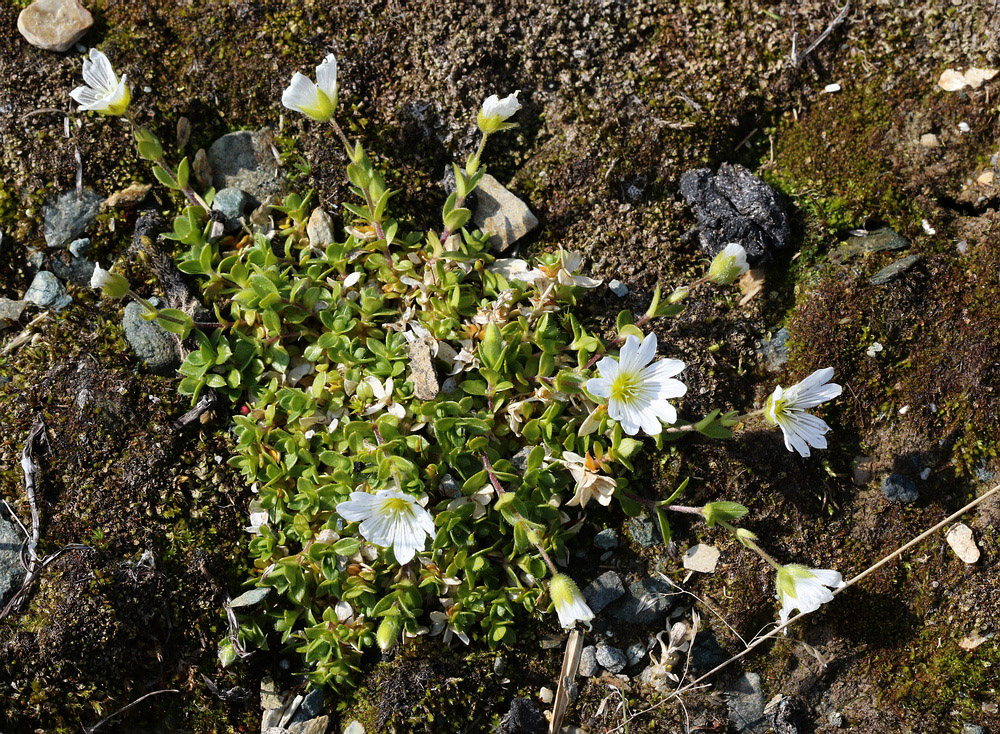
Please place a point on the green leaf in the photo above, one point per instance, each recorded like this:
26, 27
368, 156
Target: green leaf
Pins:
661, 516
723, 511
183, 173
163, 177
346, 546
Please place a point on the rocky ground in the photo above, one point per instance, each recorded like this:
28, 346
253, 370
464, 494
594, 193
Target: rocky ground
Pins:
620, 100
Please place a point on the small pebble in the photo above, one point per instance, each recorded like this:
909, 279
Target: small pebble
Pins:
835, 718
930, 140
611, 658
961, 540
985, 178
964, 127
925, 473
831, 88
589, 667
618, 288
545, 695
635, 652
702, 558
874, 349
607, 539
79, 247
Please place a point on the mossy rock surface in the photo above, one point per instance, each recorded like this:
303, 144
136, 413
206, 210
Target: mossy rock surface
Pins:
620, 99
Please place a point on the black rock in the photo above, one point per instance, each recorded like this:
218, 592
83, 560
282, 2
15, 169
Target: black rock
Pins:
733, 205
707, 652
900, 489
790, 716
643, 530
11, 571
310, 708
523, 718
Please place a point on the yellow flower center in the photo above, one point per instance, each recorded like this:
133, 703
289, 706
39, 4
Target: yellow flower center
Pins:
397, 504
625, 387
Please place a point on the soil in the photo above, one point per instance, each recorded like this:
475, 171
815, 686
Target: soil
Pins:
620, 99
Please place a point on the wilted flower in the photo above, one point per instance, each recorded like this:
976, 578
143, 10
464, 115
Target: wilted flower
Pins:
383, 397
785, 409
317, 100
589, 483
569, 602
390, 518
496, 111
103, 92
804, 588
728, 265
637, 394
111, 284
441, 622
569, 264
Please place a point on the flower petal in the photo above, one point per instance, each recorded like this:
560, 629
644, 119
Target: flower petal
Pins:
326, 76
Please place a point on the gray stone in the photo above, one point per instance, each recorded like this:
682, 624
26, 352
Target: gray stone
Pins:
611, 658
319, 725
746, 704
835, 718
589, 667
46, 291
643, 530
733, 205
244, 160
68, 215
972, 729
234, 204
54, 25
520, 460
501, 214
250, 597
618, 288
603, 590
523, 718
706, 653
606, 539
75, 270
878, 241
310, 708
635, 652
151, 342
79, 247
646, 602
890, 272
11, 571
36, 259
774, 351
10, 311
900, 489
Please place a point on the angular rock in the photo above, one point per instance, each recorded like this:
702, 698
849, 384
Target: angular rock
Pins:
706, 652
961, 540
69, 215
79, 247
878, 241
774, 351
243, 160
319, 725
646, 602
46, 291
151, 342
11, 571
128, 197
54, 25
607, 539
746, 704
611, 658
618, 288
603, 590
701, 558
900, 489
310, 708
643, 530
10, 311
635, 653
733, 205
589, 667
233, 204
894, 270
501, 214
75, 270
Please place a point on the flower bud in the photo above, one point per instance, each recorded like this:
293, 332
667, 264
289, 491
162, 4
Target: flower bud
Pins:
148, 144
728, 265
678, 295
495, 111
388, 632
113, 285
569, 602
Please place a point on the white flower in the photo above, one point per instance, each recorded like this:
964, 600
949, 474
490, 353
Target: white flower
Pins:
113, 285
496, 111
257, 520
804, 588
785, 409
390, 518
589, 484
514, 268
569, 602
637, 394
383, 397
570, 263
728, 265
441, 622
312, 99
103, 91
